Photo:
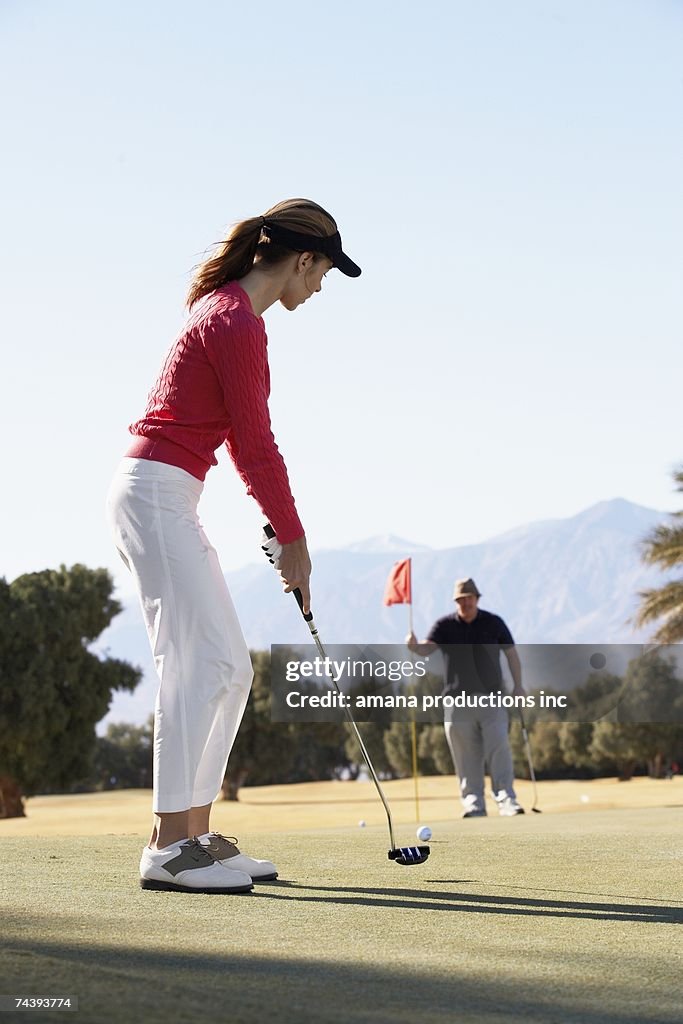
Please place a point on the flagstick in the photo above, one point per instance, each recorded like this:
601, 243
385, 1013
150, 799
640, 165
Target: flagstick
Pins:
413, 729
395, 593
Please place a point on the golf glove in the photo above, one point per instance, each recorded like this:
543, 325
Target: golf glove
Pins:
273, 550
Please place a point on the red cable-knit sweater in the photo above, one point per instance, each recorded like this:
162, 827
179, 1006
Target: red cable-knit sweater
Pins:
213, 389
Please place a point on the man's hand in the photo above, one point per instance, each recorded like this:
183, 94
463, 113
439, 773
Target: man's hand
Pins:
425, 648
515, 671
294, 567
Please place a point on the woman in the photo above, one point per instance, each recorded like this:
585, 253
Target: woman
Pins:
212, 389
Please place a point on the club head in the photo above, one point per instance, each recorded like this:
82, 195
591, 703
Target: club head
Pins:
409, 855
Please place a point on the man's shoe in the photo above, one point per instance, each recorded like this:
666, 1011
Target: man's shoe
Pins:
187, 866
476, 813
508, 807
225, 850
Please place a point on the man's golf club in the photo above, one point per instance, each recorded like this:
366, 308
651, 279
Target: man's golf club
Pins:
532, 773
404, 855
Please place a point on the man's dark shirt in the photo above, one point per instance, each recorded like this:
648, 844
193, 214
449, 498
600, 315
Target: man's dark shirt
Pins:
472, 651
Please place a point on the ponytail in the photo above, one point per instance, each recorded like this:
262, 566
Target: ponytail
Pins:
233, 259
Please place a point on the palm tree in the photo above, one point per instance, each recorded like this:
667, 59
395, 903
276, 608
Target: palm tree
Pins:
664, 547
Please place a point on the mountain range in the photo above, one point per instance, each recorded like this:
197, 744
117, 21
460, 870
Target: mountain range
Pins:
573, 580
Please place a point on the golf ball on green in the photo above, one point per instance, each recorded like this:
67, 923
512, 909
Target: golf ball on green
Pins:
424, 833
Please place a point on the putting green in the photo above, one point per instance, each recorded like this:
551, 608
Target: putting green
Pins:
565, 916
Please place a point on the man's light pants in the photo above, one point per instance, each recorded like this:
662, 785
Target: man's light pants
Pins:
478, 737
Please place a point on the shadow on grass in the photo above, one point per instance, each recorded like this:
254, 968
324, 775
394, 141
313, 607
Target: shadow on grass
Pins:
564, 892
423, 899
120, 984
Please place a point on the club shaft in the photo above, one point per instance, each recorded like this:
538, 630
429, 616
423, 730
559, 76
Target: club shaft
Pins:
530, 762
352, 723
308, 619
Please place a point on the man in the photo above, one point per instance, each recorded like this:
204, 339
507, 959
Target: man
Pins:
471, 640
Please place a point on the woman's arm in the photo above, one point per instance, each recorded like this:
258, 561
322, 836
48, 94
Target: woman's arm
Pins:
236, 349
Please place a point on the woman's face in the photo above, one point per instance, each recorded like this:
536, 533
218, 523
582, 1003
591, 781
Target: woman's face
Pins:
305, 279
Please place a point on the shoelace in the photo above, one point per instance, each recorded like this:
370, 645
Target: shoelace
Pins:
228, 839
198, 852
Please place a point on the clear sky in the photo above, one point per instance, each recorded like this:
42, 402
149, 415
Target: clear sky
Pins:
508, 175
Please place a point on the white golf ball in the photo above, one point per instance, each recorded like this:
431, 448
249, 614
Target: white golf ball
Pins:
361, 824
424, 833
584, 799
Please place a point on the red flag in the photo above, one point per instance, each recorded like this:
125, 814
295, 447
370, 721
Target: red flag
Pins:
398, 589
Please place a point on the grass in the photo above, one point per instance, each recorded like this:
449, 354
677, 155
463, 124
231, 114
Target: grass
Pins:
569, 916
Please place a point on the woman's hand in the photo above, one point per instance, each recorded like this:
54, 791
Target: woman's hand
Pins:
294, 566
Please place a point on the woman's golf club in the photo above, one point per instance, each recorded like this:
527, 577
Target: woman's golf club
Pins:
404, 855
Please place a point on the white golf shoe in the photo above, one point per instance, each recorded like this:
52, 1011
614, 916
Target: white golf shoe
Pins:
187, 866
508, 807
225, 850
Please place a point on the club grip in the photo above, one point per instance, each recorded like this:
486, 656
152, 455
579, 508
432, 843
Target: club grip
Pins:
308, 616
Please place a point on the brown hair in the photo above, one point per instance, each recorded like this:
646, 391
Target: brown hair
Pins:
246, 245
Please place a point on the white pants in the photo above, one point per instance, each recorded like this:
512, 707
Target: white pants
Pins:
200, 654
478, 737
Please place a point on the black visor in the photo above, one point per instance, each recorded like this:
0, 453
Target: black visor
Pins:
330, 246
